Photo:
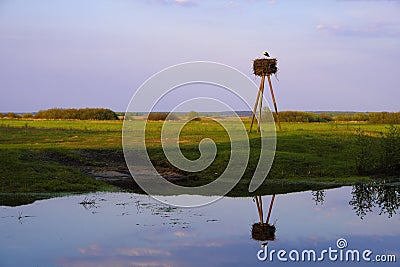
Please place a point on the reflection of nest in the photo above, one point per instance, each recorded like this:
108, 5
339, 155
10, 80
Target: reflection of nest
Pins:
263, 232
265, 66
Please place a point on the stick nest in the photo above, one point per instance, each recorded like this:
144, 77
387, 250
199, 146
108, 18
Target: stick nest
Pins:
265, 66
263, 232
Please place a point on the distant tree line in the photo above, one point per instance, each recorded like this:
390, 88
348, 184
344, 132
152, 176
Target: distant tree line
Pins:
67, 114
284, 116
371, 117
299, 116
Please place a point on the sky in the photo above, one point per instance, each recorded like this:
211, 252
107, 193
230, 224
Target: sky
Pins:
337, 55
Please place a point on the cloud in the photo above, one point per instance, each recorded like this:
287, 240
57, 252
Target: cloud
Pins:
373, 30
96, 250
101, 256
260, 1
115, 262
396, 1
180, 234
141, 252
236, 3
93, 250
183, 3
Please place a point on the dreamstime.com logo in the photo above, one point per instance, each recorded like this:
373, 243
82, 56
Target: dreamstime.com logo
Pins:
340, 253
176, 77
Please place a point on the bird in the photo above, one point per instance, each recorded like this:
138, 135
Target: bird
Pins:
266, 54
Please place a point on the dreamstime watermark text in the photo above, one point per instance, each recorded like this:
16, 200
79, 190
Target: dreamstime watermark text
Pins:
335, 254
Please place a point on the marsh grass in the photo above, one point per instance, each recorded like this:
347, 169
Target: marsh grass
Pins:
49, 156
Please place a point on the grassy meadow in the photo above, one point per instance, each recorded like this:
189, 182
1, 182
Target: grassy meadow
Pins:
42, 156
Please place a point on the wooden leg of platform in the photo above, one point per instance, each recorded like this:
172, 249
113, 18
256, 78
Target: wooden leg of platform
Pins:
260, 108
256, 104
273, 100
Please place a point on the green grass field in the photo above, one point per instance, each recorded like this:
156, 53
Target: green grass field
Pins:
52, 155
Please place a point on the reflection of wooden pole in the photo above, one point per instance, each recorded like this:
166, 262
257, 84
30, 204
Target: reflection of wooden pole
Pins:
259, 208
273, 100
270, 208
261, 88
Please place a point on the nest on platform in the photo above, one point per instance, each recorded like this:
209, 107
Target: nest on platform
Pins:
265, 66
263, 232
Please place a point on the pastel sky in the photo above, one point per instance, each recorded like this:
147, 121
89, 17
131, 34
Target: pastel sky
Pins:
332, 54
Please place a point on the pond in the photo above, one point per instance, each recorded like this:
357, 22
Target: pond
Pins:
125, 229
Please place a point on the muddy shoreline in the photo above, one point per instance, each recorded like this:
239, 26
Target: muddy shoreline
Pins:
105, 165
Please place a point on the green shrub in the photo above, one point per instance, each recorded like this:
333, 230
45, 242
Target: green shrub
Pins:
378, 155
194, 116
27, 115
390, 143
77, 114
367, 157
11, 115
160, 116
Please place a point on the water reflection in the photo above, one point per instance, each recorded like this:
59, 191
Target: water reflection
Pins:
384, 196
366, 197
123, 229
263, 231
318, 196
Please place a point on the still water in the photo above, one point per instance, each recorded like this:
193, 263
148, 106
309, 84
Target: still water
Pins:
123, 229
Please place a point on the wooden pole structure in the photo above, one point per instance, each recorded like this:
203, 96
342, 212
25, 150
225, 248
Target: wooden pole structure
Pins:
273, 100
260, 90
270, 208
260, 109
258, 104
264, 67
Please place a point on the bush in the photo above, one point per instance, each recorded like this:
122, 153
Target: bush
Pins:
367, 156
77, 114
378, 155
27, 115
11, 115
390, 143
161, 116
194, 116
